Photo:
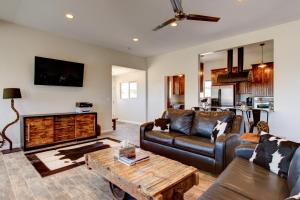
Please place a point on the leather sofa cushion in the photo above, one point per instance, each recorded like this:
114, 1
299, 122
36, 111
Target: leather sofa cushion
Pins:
294, 170
161, 137
180, 120
204, 122
253, 181
218, 192
195, 144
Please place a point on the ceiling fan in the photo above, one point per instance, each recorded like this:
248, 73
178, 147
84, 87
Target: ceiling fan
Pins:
180, 15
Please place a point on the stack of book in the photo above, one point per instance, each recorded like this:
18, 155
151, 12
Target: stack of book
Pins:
134, 160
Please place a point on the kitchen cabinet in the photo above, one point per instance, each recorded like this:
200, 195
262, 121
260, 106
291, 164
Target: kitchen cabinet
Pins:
263, 80
245, 88
178, 85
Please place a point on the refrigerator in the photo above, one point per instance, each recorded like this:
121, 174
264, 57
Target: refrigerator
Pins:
224, 93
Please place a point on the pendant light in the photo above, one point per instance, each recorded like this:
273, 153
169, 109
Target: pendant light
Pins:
262, 64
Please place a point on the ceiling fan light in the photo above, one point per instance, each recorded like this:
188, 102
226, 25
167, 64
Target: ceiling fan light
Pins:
174, 24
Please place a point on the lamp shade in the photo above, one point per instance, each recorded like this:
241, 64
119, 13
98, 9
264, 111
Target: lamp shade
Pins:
12, 93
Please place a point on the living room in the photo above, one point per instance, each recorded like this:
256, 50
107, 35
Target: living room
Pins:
103, 34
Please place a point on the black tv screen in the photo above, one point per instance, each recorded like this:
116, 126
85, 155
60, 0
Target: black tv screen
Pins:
58, 72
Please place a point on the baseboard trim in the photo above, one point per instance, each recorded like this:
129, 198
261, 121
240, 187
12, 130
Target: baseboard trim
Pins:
129, 122
107, 131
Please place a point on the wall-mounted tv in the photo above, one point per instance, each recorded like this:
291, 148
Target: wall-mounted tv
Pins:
58, 72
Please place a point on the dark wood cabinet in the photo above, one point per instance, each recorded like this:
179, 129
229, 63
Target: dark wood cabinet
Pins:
245, 88
178, 85
263, 80
39, 131
262, 83
64, 128
85, 125
45, 130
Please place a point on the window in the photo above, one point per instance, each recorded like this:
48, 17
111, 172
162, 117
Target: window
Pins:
207, 89
133, 90
128, 90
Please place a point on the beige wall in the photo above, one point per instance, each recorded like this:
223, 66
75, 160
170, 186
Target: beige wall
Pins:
286, 57
19, 46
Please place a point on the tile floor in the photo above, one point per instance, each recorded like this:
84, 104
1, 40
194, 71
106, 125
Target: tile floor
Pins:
20, 181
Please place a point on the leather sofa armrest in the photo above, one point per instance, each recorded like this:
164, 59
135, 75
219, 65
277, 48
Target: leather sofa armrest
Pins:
144, 128
238, 125
225, 150
245, 151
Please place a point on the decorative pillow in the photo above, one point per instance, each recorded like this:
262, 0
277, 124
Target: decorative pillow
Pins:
274, 154
295, 197
162, 123
218, 130
205, 122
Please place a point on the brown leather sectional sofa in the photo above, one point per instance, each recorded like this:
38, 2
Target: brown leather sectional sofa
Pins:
244, 180
188, 139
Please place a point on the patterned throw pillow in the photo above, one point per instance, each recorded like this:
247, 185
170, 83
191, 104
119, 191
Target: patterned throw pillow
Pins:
218, 130
296, 197
162, 123
274, 154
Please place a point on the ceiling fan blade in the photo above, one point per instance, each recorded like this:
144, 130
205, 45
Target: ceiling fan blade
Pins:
202, 18
177, 6
170, 21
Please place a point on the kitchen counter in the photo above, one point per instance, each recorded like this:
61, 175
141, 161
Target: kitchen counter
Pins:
238, 108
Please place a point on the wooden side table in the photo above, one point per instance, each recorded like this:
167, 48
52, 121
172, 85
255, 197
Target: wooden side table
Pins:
114, 122
250, 138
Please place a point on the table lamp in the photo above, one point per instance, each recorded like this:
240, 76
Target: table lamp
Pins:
10, 93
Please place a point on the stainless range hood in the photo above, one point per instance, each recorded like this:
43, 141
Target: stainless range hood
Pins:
240, 76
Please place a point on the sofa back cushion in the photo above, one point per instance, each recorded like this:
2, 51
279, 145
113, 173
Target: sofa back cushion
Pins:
294, 170
205, 122
180, 120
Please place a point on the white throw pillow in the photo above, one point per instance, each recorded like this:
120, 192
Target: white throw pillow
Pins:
218, 130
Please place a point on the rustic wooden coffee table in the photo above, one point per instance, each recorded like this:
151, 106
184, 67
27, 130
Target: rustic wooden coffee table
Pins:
158, 178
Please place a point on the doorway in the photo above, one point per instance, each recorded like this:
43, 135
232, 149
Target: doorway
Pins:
128, 95
175, 91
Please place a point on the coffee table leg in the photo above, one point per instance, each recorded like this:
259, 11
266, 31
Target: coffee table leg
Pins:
119, 194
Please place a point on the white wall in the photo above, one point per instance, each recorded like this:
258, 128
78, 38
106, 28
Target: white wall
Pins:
130, 110
286, 57
19, 46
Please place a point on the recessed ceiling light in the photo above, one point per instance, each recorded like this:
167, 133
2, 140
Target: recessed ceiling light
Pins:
174, 24
135, 39
69, 16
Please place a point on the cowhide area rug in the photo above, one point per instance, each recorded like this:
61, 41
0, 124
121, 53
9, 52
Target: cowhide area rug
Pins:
51, 161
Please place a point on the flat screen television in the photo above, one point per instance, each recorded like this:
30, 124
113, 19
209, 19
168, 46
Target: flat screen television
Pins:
58, 72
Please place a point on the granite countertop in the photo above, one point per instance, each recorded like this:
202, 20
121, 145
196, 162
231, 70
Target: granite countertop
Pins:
239, 108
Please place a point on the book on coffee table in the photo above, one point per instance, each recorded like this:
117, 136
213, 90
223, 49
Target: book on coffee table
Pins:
132, 161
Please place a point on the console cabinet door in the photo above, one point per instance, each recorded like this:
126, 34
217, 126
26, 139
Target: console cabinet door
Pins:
64, 128
39, 131
85, 125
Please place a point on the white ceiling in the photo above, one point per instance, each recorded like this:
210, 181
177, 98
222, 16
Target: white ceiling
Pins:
118, 70
113, 23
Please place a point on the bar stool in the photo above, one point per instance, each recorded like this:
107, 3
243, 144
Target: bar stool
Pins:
256, 117
234, 110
